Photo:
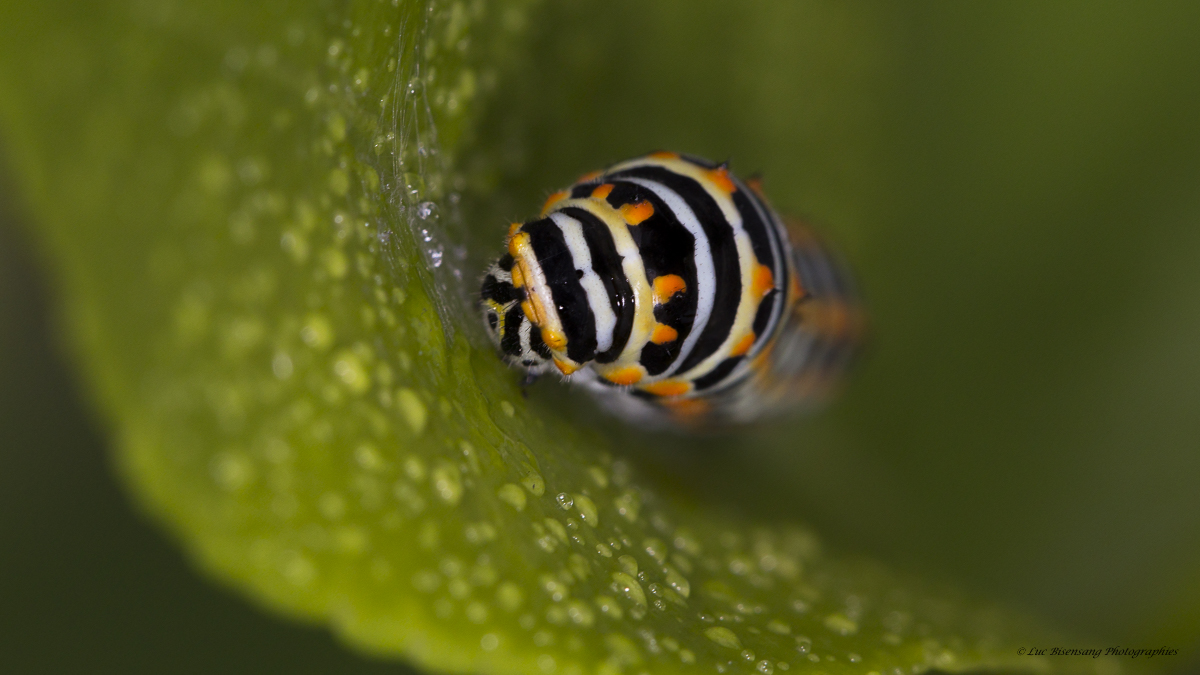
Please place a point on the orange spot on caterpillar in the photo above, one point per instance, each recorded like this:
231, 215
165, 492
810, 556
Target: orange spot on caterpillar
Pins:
668, 388
720, 177
517, 241
798, 291
602, 191
552, 200
666, 286
687, 408
518, 277
762, 281
743, 345
565, 367
756, 183
626, 375
663, 154
554, 340
532, 307
590, 176
663, 334
636, 214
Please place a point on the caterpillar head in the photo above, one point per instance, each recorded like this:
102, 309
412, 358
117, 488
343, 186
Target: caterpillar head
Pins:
520, 342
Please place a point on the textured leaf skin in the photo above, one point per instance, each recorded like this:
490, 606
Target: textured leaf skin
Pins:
237, 203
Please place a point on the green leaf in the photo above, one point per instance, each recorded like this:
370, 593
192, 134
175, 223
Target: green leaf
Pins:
256, 215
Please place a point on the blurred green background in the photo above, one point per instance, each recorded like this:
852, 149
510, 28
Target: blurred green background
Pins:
1017, 186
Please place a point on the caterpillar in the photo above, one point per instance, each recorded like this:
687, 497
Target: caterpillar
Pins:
672, 290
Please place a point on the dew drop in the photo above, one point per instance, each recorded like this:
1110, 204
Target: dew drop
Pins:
414, 468
368, 457
412, 409
777, 626
629, 586
677, 581
723, 636
556, 528
580, 614
587, 510
841, 624
609, 607
337, 128
565, 502
512, 495
556, 589
349, 369
339, 182
317, 332
299, 570
686, 542
509, 596
598, 476
295, 244
450, 566
534, 483
579, 566
476, 612
281, 366
479, 533
426, 210
627, 505
656, 549
447, 484
232, 471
